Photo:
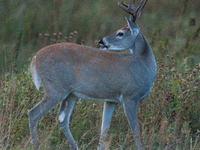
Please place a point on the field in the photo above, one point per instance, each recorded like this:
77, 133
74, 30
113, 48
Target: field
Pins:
169, 116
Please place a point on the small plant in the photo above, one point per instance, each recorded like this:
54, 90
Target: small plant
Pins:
48, 39
171, 105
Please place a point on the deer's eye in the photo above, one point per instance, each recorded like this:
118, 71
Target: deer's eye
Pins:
120, 34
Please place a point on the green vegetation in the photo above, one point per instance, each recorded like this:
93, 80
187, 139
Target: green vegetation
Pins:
170, 115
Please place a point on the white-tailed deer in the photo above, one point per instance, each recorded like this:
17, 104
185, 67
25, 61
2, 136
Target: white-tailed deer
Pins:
70, 70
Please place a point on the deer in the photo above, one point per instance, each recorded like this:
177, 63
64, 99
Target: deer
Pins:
69, 70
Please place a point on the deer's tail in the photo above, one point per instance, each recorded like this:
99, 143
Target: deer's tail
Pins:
35, 76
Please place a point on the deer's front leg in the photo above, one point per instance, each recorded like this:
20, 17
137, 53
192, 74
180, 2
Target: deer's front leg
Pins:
108, 111
130, 109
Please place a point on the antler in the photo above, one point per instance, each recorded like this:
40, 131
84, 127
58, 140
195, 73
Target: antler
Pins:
135, 13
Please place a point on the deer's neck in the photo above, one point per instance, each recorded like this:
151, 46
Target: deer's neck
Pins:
141, 46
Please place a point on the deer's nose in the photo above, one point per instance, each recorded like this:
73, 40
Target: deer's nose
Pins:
101, 42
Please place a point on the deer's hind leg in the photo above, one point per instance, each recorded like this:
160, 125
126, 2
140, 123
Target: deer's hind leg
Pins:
66, 108
35, 114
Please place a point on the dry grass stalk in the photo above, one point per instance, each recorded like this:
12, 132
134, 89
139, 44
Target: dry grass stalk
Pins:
150, 140
162, 133
107, 141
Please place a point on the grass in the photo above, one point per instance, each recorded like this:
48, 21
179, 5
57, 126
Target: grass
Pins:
170, 115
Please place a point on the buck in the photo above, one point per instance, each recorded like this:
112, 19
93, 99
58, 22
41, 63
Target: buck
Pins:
70, 70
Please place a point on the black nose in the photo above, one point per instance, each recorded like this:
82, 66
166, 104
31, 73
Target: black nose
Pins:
101, 42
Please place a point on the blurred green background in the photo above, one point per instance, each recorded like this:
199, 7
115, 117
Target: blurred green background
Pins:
172, 27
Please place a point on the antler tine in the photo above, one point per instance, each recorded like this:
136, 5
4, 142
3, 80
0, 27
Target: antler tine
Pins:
130, 3
140, 7
128, 9
143, 5
124, 4
132, 8
128, 6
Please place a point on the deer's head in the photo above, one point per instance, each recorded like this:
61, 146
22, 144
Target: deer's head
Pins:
124, 38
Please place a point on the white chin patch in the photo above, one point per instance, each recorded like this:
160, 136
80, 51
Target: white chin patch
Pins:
116, 48
62, 116
104, 48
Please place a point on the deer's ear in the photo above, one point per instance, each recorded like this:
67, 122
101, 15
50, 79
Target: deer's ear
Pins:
133, 27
